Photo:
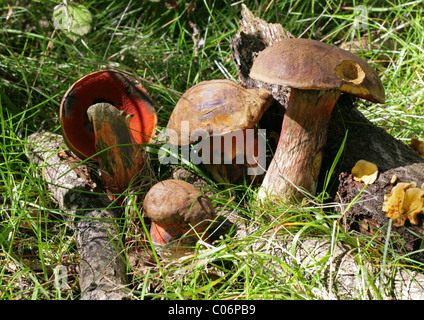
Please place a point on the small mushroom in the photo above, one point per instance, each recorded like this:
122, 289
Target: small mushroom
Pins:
180, 215
413, 204
405, 201
220, 108
316, 73
417, 146
109, 113
365, 171
393, 179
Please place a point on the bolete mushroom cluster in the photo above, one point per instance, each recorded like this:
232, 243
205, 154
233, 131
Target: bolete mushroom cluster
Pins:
316, 73
110, 117
404, 202
365, 171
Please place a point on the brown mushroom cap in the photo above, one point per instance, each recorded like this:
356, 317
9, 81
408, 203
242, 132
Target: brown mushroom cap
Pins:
314, 65
219, 105
178, 202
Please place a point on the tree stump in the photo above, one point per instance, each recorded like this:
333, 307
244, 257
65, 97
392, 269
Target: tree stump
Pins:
364, 141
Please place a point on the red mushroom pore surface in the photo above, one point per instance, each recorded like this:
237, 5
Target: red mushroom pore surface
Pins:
111, 87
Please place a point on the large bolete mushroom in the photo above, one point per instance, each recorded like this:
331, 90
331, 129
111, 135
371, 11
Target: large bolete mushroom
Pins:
180, 215
109, 116
316, 73
220, 109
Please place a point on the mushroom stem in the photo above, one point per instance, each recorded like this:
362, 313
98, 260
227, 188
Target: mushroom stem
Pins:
120, 158
173, 234
165, 234
174, 242
179, 213
229, 165
298, 157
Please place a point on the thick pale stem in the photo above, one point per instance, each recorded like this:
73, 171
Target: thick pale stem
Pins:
297, 160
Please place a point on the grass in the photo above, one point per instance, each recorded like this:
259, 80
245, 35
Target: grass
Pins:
155, 44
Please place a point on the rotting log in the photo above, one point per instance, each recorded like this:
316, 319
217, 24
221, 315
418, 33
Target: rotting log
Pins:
102, 268
364, 140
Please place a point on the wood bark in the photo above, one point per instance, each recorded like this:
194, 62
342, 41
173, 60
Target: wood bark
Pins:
102, 268
364, 141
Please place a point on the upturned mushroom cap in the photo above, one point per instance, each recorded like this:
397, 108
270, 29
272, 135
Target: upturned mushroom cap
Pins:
112, 87
219, 105
314, 65
178, 202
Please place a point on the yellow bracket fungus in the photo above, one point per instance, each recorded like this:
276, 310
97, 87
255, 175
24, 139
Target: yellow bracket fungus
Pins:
417, 146
365, 171
405, 201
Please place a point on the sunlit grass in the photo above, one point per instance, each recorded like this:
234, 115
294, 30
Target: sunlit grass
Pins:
155, 44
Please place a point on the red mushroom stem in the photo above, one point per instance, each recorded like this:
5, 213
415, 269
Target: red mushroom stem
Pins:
298, 157
120, 158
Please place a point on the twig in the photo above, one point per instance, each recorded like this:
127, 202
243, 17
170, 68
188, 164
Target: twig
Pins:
102, 269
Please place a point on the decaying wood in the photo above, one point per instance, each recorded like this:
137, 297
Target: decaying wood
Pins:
253, 36
366, 216
364, 140
368, 142
102, 270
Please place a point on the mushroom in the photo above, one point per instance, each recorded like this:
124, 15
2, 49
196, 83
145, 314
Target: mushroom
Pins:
413, 204
109, 116
405, 201
365, 171
417, 146
180, 214
316, 73
222, 110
